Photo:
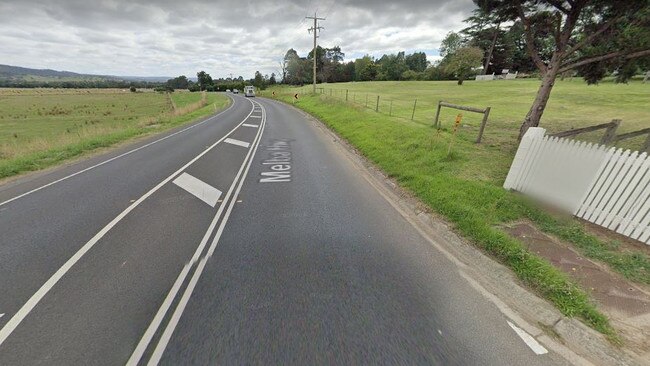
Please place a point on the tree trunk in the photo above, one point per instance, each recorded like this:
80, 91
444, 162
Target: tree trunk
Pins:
460, 81
489, 56
537, 109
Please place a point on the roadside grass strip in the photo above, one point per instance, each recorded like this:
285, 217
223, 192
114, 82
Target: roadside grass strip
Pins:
420, 160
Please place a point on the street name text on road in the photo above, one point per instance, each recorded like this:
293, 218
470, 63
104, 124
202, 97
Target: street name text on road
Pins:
278, 162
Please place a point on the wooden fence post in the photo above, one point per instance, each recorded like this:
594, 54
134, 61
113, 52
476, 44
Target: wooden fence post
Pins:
414, 104
377, 107
483, 123
436, 123
610, 132
346, 95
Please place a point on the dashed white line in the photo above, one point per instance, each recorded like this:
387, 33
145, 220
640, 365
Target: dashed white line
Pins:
237, 142
198, 188
158, 318
17, 318
529, 340
1, 315
180, 308
256, 116
250, 125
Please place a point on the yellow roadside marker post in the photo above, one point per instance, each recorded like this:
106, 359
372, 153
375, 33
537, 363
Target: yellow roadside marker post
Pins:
459, 118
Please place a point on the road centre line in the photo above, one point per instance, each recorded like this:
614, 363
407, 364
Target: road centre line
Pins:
178, 312
15, 320
198, 188
237, 142
116, 157
528, 339
164, 308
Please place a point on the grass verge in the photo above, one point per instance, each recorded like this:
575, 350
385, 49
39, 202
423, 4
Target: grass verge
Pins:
83, 142
419, 159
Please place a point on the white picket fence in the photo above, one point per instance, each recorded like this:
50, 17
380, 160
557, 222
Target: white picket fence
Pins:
604, 185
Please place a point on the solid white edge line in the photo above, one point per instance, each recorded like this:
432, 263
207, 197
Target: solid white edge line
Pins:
117, 157
15, 320
198, 188
528, 339
158, 318
237, 142
180, 308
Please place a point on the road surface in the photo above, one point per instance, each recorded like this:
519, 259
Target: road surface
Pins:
247, 238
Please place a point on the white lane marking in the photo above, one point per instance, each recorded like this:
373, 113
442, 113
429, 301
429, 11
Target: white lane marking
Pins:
250, 125
1, 315
180, 308
47, 286
256, 116
113, 158
158, 318
529, 340
237, 142
198, 188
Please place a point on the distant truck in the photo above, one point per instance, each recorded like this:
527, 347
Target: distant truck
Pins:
249, 91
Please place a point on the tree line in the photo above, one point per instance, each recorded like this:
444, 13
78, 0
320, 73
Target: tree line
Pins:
331, 68
79, 84
204, 82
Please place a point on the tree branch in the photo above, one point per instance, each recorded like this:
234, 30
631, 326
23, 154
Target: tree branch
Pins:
592, 36
556, 30
569, 24
530, 42
608, 56
558, 5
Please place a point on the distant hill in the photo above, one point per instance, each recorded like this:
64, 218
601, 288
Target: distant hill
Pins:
16, 73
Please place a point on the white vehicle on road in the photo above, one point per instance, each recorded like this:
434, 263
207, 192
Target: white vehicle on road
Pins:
249, 91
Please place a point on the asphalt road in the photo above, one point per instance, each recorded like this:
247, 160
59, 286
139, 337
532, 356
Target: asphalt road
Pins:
248, 238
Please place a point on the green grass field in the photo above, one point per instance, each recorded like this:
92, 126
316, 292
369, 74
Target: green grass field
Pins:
41, 127
573, 104
465, 186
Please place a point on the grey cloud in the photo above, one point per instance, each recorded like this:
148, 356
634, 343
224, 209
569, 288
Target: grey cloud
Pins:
171, 37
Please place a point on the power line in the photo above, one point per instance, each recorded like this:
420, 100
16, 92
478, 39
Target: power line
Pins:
315, 29
330, 8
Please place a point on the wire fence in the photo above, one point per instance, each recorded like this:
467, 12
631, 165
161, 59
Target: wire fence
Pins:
421, 110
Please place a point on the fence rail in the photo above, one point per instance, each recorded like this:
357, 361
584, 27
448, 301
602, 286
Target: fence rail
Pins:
610, 136
603, 185
485, 112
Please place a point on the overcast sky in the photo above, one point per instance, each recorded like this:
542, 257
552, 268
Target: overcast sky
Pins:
174, 37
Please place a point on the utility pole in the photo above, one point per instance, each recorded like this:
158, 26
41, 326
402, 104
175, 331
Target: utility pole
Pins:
315, 29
